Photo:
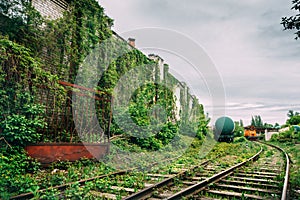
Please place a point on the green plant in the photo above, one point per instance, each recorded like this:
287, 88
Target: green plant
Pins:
240, 139
74, 191
50, 194
14, 166
22, 128
274, 138
20, 74
21, 23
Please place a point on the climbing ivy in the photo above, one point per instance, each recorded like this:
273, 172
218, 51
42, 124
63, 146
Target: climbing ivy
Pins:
20, 74
71, 38
22, 24
59, 47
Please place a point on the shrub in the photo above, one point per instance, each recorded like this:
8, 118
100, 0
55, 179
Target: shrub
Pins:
240, 139
21, 127
14, 164
20, 73
274, 138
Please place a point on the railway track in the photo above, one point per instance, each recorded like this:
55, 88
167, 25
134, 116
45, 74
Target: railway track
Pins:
161, 184
263, 176
260, 177
148, 180
82, 182
263, 179
115, 185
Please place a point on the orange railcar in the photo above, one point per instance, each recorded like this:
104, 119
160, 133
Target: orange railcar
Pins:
250, 133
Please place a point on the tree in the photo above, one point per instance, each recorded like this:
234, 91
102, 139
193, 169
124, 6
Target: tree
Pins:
239, 129
294, 118
257, 121
291, 113
266, 125
21, 23
276, 125
252, 121
293, 22
241, 123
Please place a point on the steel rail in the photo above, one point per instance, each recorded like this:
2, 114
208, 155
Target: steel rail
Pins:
203, 184
83, 181
147, 191
287, 171
286, 178
64, 186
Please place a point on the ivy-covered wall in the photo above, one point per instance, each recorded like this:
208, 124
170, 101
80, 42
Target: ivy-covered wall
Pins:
183, 100
137, 83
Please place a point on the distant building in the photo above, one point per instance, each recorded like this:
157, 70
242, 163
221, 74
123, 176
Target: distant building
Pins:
268, 134
284, 129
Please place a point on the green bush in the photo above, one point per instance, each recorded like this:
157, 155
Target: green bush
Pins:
274, 138
167, 133
284, 136
154, 141
240, 139
287, 134
21, 127
14, 166
20, 73
188, 129
153, 135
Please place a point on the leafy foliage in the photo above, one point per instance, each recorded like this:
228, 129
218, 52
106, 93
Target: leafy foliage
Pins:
14, 164
21, 117
202, 124
21, 23
257, 121
294, 118
239, 129
289, 135
57, 48
22, 128
293, 22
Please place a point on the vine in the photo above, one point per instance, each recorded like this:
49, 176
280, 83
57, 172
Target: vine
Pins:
35, 53
20, 74
61, 46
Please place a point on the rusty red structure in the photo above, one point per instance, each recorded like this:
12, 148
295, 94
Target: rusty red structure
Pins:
61, 117
78, 123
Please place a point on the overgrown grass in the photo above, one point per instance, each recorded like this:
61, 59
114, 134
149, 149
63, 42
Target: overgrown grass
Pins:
66, 172
294, 153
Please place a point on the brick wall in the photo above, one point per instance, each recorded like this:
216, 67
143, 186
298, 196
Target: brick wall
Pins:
51, 9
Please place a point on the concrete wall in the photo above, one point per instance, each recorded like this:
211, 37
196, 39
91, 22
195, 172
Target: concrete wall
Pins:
184, 100
284, 129
268, 135
160, 66
177, 91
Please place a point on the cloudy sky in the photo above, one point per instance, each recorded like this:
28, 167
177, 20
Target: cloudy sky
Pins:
258, 63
